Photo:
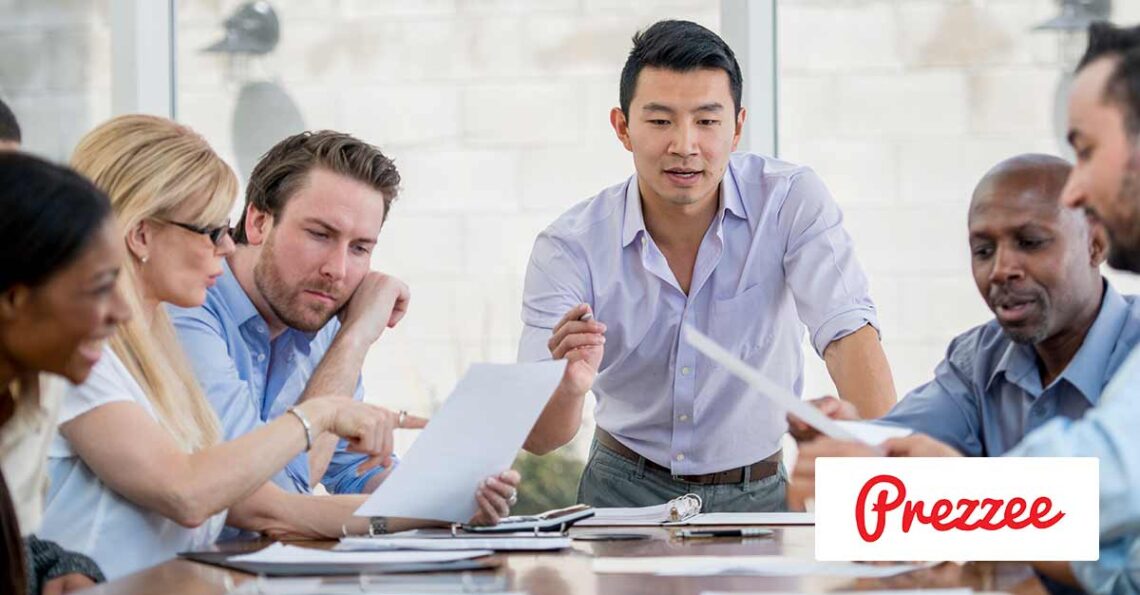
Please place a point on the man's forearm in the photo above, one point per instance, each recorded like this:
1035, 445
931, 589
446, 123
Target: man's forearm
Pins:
558, 423
860, 371
336, 375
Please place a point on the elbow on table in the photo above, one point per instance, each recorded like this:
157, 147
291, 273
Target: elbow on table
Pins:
186, 509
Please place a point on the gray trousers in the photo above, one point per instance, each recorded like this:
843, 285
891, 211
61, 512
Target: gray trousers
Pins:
611, 480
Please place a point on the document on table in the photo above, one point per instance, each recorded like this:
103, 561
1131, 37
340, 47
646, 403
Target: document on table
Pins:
498, 544
786, 400
746, 566
390, 584
279, 553
477, 433
876, 592
749, 518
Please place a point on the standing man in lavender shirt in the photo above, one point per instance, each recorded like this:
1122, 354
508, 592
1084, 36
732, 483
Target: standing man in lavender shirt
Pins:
745, 248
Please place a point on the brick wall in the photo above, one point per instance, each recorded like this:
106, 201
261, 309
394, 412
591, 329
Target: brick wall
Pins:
902, 105
496, 112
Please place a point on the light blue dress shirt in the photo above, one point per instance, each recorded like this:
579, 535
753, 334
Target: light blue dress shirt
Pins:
774, 260
250, 380
987, 395
1111, 432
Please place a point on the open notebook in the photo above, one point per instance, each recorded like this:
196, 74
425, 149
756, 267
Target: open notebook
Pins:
675, 510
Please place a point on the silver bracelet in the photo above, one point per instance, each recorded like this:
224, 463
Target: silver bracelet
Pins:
304, 422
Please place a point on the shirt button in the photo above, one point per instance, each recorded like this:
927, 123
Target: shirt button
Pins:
680, 456
261, 357
686, 371
683, 417
261, 328
644, 241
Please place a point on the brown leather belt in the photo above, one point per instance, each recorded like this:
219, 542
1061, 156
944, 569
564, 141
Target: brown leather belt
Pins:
758, 470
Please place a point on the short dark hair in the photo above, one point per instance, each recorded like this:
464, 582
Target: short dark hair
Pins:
680, 46
50, 215
9, 127
286, 166
1123, 87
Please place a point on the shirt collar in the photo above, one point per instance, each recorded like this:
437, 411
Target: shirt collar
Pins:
235, 297
244, 312
1089, 366
1089, 369
634, 220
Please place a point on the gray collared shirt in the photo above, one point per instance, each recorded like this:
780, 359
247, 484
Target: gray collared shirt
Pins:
987, 394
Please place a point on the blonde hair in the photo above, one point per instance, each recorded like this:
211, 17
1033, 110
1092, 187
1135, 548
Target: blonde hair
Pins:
151, 167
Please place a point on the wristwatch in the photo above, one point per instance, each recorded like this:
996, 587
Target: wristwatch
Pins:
377, 525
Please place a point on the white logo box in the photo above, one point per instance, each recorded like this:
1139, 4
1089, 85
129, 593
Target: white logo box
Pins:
1071, 484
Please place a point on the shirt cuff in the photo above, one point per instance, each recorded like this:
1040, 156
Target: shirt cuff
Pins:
841, 325
346, 481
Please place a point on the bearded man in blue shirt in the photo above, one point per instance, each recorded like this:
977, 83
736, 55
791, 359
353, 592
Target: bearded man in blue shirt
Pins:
1104, 131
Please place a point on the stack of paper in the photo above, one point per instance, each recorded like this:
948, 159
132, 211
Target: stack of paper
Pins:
506, 543
279, 553
886, 592
746, 565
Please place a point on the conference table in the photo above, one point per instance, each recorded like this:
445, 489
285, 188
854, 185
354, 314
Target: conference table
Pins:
570, 572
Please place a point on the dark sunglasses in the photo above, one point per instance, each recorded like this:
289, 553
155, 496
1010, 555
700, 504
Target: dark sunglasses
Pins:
216, 234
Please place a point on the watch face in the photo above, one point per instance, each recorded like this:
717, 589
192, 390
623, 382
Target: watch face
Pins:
377, 525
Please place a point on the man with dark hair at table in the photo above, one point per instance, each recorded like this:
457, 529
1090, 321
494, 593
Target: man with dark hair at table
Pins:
745, 248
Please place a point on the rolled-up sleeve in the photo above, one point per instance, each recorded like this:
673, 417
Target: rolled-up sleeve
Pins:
555, 283
827, 283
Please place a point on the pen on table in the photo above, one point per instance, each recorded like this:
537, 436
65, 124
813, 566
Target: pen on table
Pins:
750, 532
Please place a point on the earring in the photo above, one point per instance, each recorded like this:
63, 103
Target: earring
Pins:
144, 259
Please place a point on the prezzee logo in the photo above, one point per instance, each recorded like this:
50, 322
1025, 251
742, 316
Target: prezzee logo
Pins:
934, 509
944, 515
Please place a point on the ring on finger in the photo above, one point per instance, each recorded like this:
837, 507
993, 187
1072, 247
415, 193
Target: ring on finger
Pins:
402, 418
514, 499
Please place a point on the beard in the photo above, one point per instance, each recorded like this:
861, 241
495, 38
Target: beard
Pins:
1124, 241
284, 299
1033, 329
1028, 336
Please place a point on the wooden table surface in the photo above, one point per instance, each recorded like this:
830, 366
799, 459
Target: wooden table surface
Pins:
570, 572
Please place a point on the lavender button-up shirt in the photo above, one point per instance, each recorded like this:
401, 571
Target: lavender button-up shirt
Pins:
775, 260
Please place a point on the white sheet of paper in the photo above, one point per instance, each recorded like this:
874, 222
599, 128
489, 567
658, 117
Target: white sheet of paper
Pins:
279, 553
498, 544
353, 585
745, 565
887, 592
873, 433
477, 433
784, 399
749, 518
